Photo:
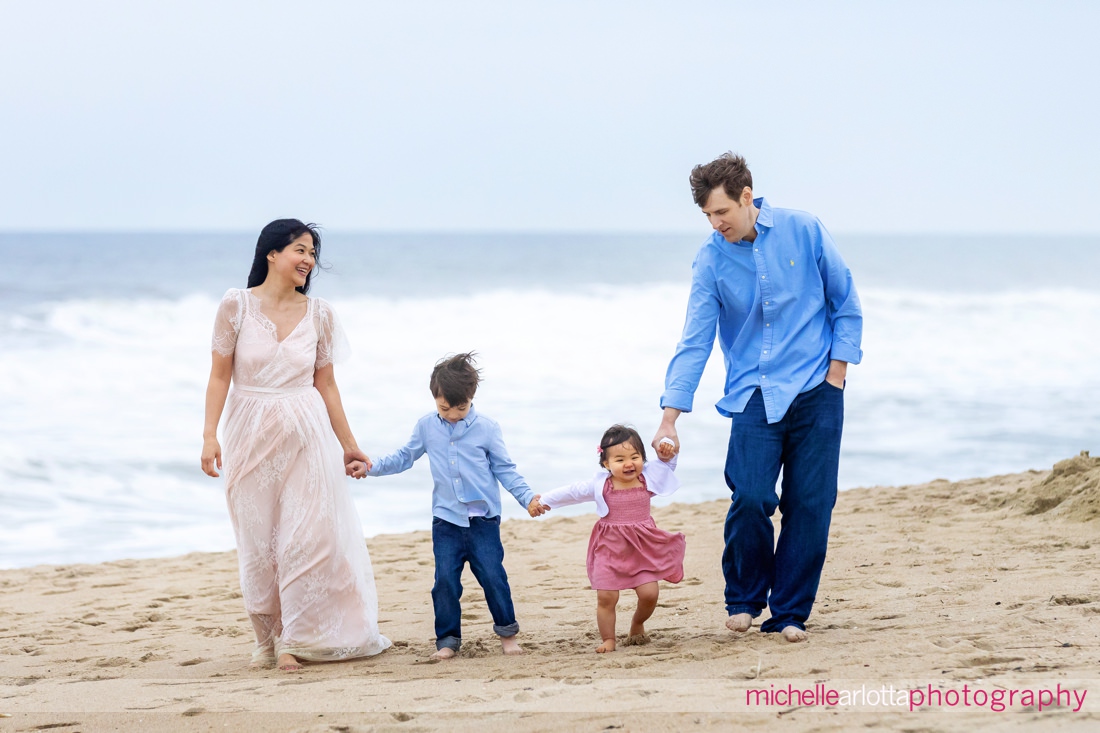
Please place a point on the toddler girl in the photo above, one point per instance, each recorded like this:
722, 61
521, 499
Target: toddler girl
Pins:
626, 549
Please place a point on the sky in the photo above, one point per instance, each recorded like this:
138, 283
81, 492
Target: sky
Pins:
506, 115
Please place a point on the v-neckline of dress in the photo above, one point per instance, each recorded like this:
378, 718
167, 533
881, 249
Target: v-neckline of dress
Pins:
274, 328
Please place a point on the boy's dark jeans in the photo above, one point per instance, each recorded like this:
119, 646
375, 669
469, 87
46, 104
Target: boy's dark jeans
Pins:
479, 544
806, 445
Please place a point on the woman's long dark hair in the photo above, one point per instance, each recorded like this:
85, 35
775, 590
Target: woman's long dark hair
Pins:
275, 237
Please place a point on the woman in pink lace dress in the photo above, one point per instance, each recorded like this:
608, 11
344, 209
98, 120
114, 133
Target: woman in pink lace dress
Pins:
306, 576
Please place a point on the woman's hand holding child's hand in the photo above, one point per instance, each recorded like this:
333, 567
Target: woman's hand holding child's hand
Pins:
357, 469
537, 508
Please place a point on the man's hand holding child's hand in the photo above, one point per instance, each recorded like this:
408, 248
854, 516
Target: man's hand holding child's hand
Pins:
666, 449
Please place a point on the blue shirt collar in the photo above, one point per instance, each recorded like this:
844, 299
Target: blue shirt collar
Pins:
764, 218
471, 416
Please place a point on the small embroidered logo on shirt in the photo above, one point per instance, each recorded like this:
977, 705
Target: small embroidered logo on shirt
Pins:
792, 263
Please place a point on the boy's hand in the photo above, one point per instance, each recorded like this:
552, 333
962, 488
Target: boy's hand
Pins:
666, 449
357, 469
537, 508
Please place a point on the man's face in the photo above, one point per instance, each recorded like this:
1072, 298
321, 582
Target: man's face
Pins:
732, 218
451, 413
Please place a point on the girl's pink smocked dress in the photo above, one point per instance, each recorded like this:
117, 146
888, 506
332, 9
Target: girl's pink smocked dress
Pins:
627, 548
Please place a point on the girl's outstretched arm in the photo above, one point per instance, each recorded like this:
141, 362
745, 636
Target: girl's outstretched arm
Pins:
660, 477
576, 493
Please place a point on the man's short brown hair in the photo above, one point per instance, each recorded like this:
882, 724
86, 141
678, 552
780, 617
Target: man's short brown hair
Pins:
728, 170
455, 379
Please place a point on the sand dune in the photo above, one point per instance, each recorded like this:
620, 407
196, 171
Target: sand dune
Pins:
983, 585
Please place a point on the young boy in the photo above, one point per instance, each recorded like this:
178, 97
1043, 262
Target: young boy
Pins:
468, 458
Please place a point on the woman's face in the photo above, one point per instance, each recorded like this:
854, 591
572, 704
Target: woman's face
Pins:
295, 261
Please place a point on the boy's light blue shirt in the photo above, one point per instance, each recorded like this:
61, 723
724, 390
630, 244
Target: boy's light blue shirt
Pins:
467, 458
783, 305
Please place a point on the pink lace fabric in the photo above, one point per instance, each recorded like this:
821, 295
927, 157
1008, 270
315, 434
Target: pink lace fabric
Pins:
306, 576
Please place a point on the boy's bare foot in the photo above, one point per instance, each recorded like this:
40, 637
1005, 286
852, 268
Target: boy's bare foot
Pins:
739, 623
289, 663
510, 646
607, 646
637, 640
444, 653
794, 634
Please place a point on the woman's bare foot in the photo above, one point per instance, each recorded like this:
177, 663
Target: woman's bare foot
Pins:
289, 663
510, 646
794, 634
739, 623
444, 653
262, 659
607, 646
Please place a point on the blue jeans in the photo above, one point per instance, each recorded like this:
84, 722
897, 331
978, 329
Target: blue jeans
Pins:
806, 445
479, 544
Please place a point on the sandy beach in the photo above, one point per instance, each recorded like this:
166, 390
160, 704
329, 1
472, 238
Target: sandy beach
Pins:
977, 592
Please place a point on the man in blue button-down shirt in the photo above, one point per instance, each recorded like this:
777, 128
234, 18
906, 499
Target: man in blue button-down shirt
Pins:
468, 457
773, 286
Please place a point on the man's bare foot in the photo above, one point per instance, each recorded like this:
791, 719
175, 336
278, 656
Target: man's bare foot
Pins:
510, 646
739, 623
607, 646
794, 634
289, 663
637, 640
444, 653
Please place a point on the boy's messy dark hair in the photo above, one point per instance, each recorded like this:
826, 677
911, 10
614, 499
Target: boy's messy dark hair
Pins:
455, 379
618, 434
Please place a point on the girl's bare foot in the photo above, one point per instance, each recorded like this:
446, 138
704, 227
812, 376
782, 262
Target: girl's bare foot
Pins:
794, 634
444, 653
607, 646
739, 622
637, 640
289, 663
510, 646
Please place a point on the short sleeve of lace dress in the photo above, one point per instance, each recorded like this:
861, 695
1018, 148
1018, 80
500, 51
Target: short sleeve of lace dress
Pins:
332, 342
227, 323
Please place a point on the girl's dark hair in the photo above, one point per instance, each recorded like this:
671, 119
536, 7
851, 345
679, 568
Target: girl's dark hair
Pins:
617, 435
274, 238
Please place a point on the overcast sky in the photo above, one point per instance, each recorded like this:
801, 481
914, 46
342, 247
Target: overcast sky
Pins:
928, 116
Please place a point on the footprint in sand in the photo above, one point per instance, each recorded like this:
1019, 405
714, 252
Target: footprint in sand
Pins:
193, 662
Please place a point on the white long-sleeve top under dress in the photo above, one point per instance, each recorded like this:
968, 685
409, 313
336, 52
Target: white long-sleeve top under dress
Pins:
306, 576
626, 548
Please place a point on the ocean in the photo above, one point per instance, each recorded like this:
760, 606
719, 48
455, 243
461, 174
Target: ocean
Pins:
981, 358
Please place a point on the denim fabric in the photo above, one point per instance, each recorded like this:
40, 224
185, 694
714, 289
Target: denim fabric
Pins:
479, 544
806, 445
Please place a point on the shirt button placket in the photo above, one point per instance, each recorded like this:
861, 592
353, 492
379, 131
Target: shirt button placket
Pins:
768, 312
454, 469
